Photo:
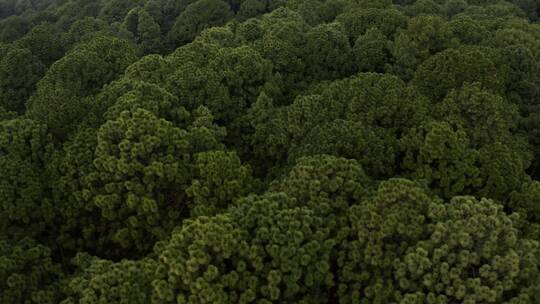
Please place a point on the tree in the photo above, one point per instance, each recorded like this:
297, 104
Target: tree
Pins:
151, 68
357, 21
382, 229
502, 169
262, 250
77, 226
197, 17
20, 71
349, 139
249, 30
250, 9
371, 51
283, 42
522, 84
25, 208
116, 10
312, 11
464, 250
244, 73
129, 95
432, 34
474, 254
525, 201
451, 68
45, 42
144, 172
6, 115
486, 117
63, 97
219, 180
145, 30
467, 30
149, 33
329, 186
530, 7
425, 7
379, 100
423, 37
28, 273
220, 36
444, 158
201, 86
440, 155
328, 52
363, 109
269, 151
81, 29
7, 9
101, 280
13, 28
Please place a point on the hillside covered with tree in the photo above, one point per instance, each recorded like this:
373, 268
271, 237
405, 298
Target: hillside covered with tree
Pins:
269, 151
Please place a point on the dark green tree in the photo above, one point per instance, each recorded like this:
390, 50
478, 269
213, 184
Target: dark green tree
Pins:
26, 209
64, 95
99, 280
450, 69
357, 21
20, 71
196, 17
264, 250
45, 42
28, 273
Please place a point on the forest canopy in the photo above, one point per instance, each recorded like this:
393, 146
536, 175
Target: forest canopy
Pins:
269, 151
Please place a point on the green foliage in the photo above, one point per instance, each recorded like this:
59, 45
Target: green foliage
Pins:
525, 201
345, 119
13, 28
151, 68
371, 51
440, 155
328, 52
452, 68
358, 21
25, 148
45, 42
145, 30
431, 34
244, 72
99, 281
27, 273
381, 230
20, 71
143, 173
328, 185
467, 30
82, 28
486, 117
64, 94
197, 17
220, 179
6, 115
465, 250
264, 250
269, 151
444, 157
79, 226
474, 254
130, 95
115, 10
251, 8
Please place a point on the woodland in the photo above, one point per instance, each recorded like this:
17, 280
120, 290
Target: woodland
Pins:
269, 151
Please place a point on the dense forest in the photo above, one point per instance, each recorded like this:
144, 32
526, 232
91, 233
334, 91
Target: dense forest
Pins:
269, 151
